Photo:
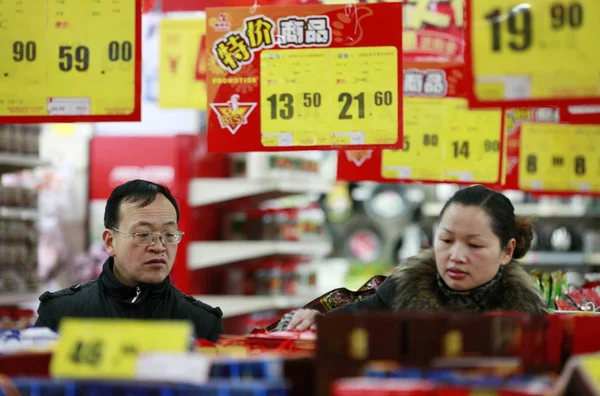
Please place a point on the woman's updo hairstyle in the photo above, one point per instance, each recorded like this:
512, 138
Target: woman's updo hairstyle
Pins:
505, 224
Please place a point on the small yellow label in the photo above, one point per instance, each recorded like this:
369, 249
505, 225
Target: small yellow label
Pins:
109, 348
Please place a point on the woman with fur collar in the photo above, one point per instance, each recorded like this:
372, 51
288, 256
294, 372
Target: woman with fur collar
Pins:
470, 269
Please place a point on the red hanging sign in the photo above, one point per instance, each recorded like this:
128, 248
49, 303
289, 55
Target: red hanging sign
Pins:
304, 77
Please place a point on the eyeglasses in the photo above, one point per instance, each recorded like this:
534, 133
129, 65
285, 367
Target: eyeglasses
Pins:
149, 238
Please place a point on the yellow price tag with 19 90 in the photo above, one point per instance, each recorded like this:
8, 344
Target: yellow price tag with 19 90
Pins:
109, 348
535, 50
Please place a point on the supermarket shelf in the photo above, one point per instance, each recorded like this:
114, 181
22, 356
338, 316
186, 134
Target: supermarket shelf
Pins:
433, 209
593, 259
213, 190
210, 254
16, 299
556, 258
18, 213
233, 305
15, 162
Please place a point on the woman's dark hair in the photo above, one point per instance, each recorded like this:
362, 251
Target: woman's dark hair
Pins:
505, 224
137, 191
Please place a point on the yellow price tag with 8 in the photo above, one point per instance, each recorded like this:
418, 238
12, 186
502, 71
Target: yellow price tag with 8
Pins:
445, 141
559, 158
109, 348
70, 58
329, 96
535, 50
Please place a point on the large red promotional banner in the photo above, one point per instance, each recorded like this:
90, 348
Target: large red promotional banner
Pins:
304, 77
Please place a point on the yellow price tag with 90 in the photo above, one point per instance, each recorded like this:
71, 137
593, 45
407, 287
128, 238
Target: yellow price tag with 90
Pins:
68, 58
109, 348
329, 96
445, 141
559, 157
535, 49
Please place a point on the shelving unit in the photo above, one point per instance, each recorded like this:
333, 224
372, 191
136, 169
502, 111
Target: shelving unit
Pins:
433, 209
216, 190
210, 254
11, 163
232, 305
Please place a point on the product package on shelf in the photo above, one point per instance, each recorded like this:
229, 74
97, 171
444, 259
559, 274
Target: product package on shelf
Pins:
289, 224
20, 139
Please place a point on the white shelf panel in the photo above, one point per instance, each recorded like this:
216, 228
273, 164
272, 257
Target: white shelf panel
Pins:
17, 299
22, 161
233, 305
213, 190
18, 213
555, 258
210, 254
433, 209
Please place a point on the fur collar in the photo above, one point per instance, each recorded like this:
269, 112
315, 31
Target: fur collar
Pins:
417, 289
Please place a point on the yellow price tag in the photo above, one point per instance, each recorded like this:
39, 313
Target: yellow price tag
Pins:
445, 141
559, 157
535, 49
68, 58
180, 41
108, 348
591, 366
329, 96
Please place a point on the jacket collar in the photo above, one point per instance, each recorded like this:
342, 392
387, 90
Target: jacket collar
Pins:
127, 294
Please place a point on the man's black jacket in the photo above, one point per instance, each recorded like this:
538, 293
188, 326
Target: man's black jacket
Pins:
106, 297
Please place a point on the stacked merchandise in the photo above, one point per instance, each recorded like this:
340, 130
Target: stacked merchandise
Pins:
20, 139
566, 291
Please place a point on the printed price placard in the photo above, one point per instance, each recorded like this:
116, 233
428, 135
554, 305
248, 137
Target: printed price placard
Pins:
109, 348
447, 142
559, 158
304, 77
532, 53
444, 141
70, 61
182, 60
513, 119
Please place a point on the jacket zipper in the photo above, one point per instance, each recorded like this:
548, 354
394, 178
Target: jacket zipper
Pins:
137, 294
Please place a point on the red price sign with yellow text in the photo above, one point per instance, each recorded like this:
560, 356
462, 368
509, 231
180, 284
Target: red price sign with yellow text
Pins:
533, 52
70, 60
304, 77
444, 140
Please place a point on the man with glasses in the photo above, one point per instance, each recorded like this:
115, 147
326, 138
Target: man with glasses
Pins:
141, 237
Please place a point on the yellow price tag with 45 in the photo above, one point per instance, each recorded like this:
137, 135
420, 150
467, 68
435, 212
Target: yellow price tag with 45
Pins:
109, 348
538, 50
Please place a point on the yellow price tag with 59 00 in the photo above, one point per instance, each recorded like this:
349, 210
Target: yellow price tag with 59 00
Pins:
109, 348
559, 157
68, 58
535, 49
329, 96
445, 141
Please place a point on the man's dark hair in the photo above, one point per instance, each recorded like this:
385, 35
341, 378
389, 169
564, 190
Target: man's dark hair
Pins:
137, 191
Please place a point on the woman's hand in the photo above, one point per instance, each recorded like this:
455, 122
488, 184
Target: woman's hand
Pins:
303, 319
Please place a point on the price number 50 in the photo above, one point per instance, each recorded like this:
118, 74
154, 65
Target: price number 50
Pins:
282, 105
520, 19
